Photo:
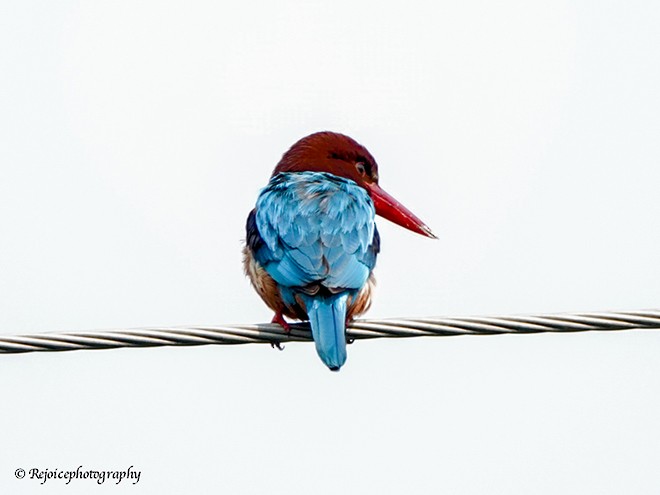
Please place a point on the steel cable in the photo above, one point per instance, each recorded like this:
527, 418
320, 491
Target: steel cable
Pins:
360, 329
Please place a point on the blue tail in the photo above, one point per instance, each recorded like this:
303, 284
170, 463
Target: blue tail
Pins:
327, 317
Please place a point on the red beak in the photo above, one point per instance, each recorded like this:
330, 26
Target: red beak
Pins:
390, 208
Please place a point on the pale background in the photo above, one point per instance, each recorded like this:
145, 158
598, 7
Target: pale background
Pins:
134, 138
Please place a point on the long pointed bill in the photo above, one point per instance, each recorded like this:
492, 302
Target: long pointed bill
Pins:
390, 208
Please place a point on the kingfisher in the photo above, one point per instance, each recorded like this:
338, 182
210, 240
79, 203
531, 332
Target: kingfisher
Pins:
311, 240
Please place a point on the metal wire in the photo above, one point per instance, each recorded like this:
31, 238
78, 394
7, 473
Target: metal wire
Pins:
359, 329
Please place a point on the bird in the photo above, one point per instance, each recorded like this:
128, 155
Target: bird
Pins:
311, 240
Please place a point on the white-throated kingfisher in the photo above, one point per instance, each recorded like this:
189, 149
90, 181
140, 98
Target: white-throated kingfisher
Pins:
311, 241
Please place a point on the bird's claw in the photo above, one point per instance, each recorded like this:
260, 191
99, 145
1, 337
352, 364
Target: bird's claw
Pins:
349, 340
279, 319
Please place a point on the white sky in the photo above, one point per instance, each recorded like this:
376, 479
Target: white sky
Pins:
134, 138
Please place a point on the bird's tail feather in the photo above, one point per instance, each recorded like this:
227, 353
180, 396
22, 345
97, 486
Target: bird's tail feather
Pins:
327, 317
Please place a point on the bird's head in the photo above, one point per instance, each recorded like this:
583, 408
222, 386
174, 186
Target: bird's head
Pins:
342, 156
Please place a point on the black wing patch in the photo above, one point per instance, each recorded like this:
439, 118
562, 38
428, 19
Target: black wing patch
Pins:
252, 237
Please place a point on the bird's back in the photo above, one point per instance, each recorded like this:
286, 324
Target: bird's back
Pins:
317, 230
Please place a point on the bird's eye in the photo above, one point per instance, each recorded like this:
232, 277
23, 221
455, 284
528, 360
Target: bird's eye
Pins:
359, 166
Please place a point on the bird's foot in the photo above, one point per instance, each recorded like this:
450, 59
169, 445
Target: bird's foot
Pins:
349, 340
279, 318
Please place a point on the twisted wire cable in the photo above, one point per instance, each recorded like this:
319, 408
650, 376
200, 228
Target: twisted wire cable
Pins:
360, 329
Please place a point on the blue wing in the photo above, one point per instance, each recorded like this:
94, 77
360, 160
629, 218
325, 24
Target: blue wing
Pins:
314, 229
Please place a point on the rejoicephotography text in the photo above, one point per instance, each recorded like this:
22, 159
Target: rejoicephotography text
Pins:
115, 476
